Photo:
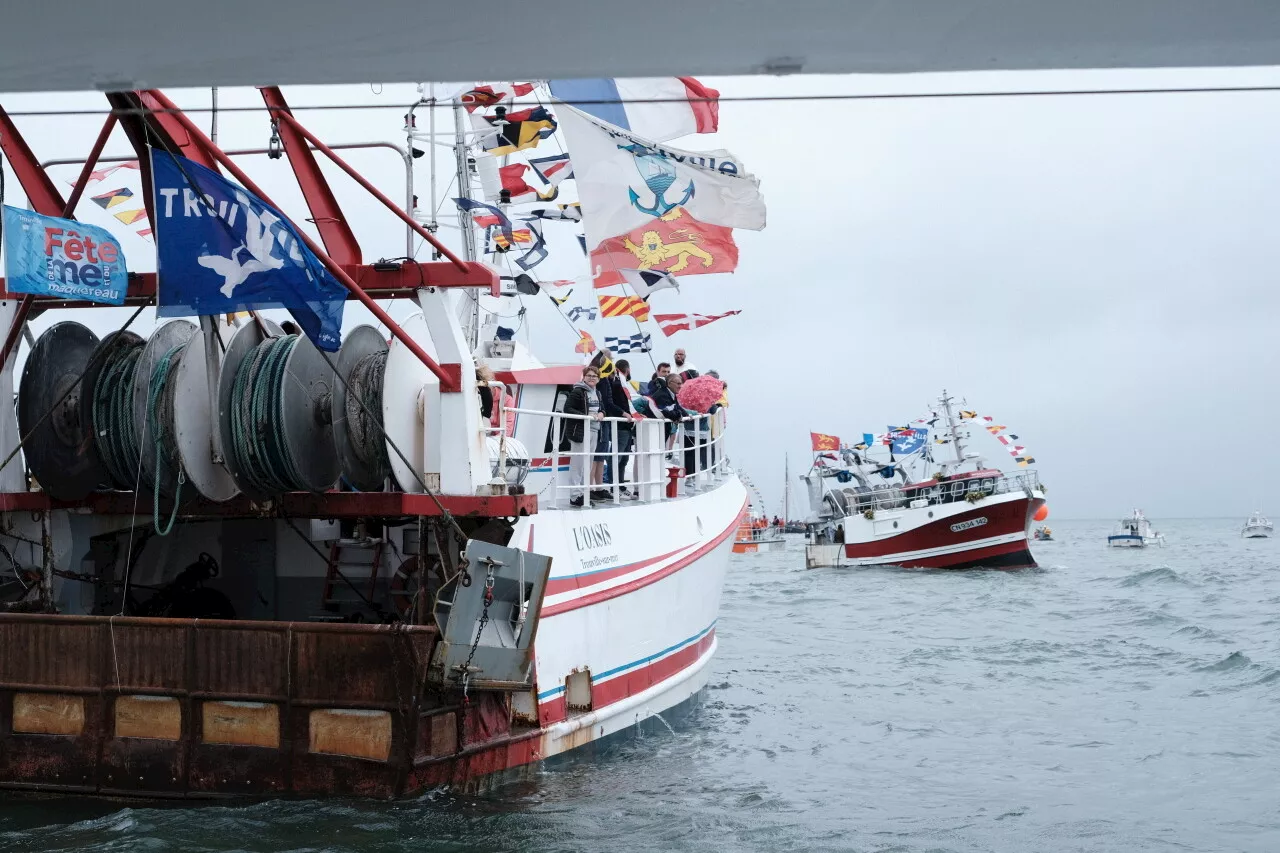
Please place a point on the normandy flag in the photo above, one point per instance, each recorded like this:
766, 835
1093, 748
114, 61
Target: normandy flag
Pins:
675, 244
622, 306
822, 442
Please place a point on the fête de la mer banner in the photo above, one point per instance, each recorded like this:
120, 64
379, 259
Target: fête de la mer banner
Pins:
50, 256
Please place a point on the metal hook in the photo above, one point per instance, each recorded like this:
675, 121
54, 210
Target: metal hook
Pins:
274, 146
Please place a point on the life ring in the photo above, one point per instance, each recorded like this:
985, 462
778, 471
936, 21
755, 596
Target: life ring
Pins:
399, 591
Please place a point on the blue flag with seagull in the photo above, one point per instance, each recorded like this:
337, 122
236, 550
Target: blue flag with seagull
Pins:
221, 249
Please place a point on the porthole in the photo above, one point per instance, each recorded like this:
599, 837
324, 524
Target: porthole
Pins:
895, 525
931, 513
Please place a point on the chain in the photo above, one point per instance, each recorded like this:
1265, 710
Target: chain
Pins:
484, 620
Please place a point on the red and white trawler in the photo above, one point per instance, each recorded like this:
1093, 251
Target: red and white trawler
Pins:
914, 512
236, 566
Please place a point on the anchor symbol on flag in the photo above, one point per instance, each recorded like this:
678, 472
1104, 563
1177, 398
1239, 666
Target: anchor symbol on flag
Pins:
658, 175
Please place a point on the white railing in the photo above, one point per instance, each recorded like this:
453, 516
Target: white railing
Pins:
658, 466
887, 497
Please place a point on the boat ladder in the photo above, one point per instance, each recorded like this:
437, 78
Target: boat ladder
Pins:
368, 556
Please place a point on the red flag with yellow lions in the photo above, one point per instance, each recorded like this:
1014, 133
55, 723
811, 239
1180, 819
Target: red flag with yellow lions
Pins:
676, 244
821, 442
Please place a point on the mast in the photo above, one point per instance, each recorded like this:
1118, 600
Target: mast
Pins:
786, 488
471, 313
955, 431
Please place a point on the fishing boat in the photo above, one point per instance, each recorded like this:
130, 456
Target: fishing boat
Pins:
1135, 532
1043, 533
756, 534
235, 565
1258, 526
914, 512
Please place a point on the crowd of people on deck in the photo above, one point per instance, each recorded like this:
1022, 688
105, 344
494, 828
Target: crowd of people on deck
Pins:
607, 390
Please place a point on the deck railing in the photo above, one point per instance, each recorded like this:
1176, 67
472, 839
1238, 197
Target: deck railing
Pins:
861, 499
666, 458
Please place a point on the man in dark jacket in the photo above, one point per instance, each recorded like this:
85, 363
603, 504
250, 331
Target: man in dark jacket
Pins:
626, 434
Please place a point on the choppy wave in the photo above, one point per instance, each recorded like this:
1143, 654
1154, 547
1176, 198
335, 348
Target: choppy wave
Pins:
1114, 701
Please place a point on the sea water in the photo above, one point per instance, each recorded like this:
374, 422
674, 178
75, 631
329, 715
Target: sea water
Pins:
1122, 700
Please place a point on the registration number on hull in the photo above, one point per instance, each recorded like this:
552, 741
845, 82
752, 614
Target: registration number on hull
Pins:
968, 525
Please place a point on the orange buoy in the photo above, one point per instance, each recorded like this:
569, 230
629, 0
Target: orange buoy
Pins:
1042, 513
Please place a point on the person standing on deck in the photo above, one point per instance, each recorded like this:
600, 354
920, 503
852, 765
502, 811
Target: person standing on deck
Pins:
683, 366
582, 434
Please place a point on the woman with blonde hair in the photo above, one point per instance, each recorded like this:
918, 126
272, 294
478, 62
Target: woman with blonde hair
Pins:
484, 375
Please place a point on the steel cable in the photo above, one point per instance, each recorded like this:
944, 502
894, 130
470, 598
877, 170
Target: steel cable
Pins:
363, 405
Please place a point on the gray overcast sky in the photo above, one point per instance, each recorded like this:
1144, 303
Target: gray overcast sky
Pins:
1096, 272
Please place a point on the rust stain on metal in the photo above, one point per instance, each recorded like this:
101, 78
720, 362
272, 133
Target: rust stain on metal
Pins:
241, 723
48, 714
444, 734
154, 717
358, 734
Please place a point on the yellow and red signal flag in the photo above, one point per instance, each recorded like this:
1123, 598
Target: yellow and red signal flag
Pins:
624, 306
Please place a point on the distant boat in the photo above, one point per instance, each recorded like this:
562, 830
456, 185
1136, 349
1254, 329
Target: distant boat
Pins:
1257, 527
1135, 532
755, 533
1043, 534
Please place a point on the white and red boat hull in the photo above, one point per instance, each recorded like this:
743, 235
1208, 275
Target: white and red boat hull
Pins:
991, 533
633, 599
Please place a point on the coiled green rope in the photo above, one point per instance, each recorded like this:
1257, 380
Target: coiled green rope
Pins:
117, 431
259, 444
160, 414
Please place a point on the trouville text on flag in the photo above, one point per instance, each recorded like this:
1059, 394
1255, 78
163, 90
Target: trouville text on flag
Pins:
221, 249
626, 181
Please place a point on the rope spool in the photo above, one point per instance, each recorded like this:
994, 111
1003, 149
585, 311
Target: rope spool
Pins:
364, 414
116, 430
259, 442
160, 427
356, 405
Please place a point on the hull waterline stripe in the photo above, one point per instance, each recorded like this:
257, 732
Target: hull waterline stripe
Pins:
618, 670
641, 582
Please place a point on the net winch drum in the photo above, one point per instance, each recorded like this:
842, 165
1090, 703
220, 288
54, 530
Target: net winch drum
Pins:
357, 410
154, 385
60, 452
107, 411
274, 412
194, 421
403, 399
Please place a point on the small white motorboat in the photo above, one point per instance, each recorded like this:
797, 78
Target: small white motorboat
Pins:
1257, 527
1135, 532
